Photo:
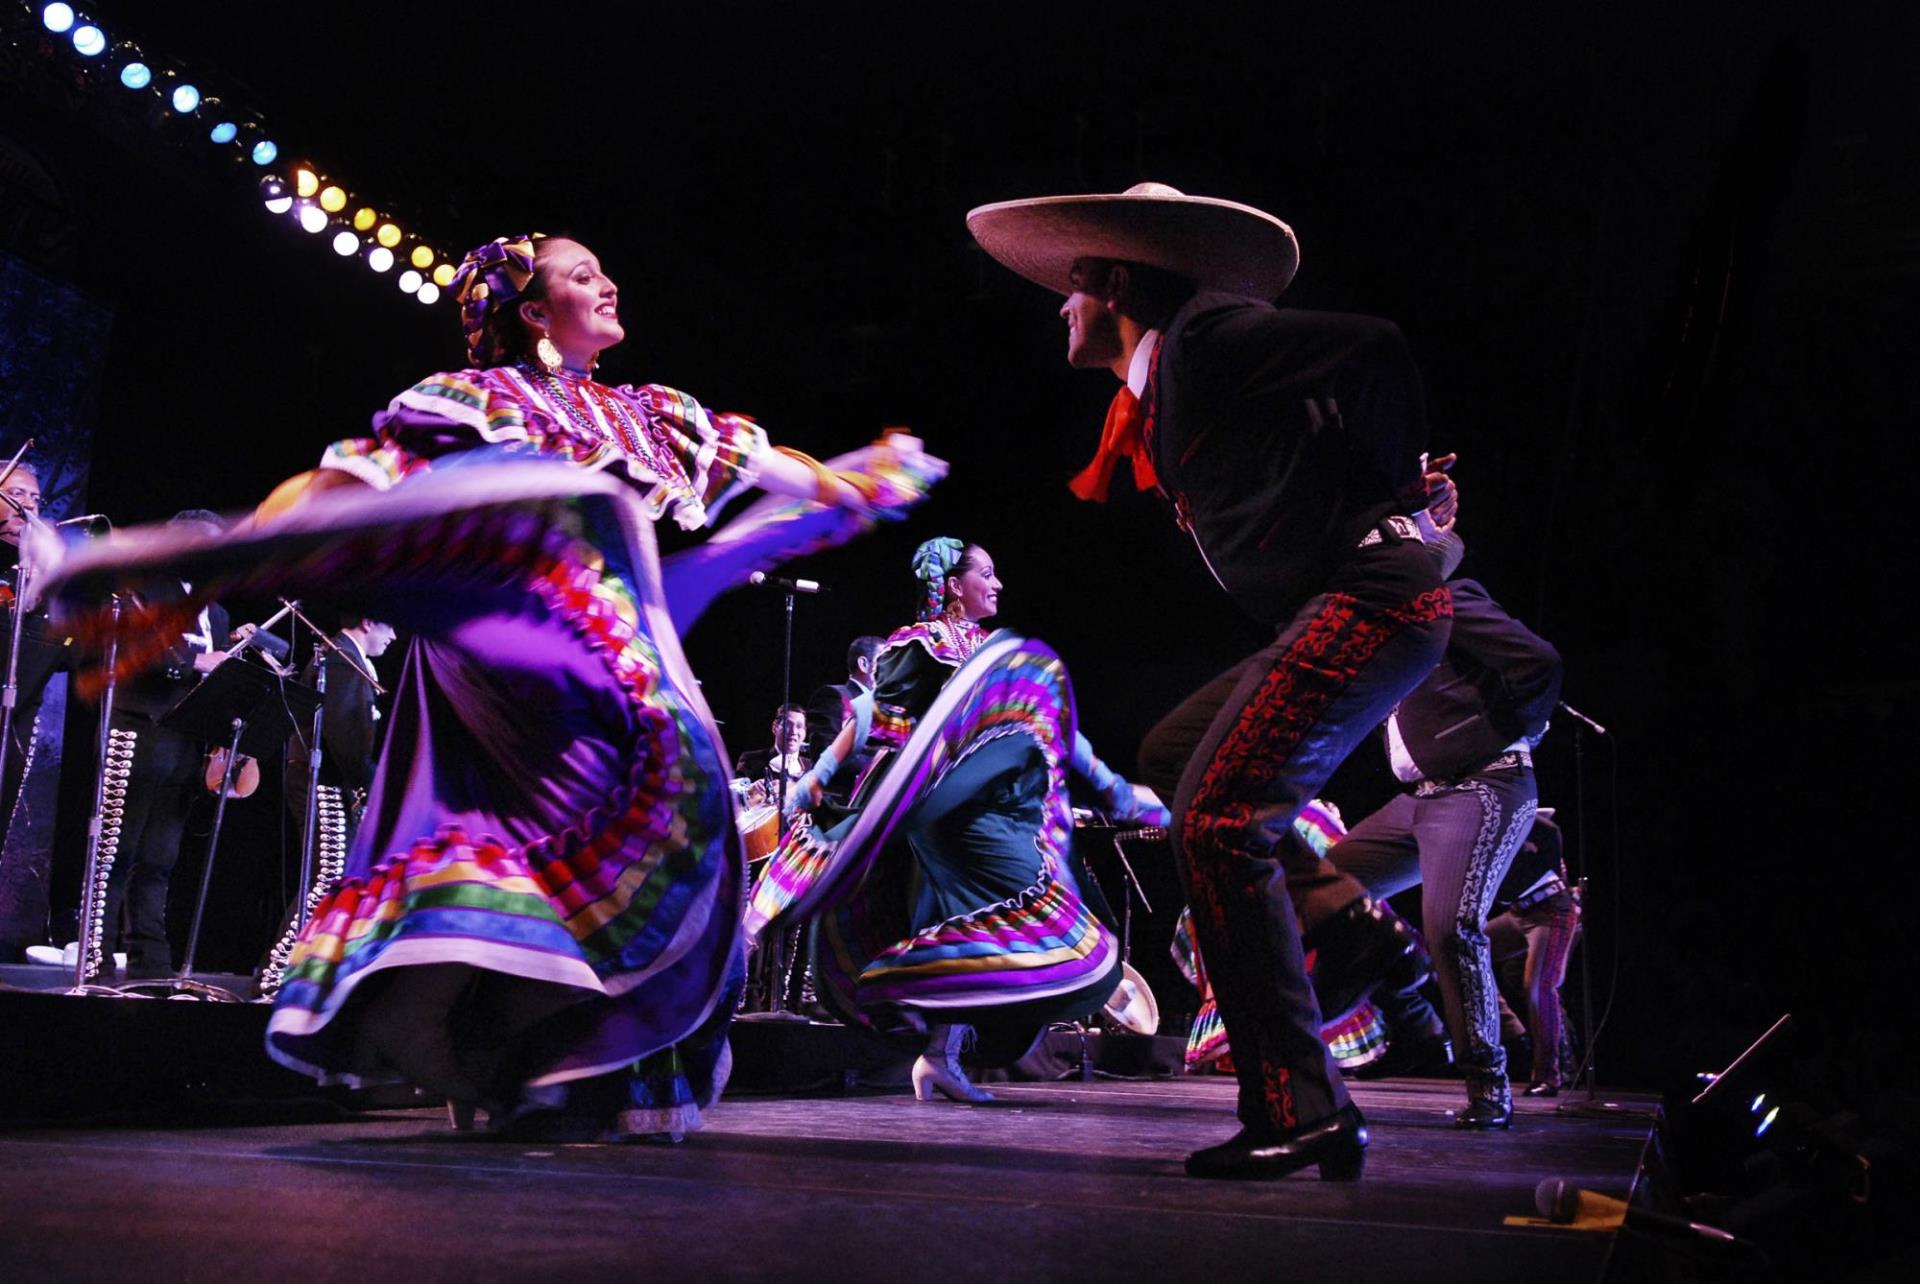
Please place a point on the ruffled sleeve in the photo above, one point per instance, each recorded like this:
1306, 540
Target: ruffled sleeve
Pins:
683, 458
718, 455
440, 415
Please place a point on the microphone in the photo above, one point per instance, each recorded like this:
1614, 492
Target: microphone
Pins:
1563, 1203
89, 520
1597, 728
760, 579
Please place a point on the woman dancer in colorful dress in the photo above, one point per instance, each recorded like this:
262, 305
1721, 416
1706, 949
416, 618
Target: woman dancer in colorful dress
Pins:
544, 892
945, 899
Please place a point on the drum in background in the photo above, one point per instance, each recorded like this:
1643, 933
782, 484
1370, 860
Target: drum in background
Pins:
759, 830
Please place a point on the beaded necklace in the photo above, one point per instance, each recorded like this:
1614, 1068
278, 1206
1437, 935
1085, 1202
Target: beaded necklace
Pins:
964, 634
630, 435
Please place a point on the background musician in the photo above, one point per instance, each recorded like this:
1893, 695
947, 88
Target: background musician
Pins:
350, 731
163, 780
350, 744
786, 757
835, 705
43, 653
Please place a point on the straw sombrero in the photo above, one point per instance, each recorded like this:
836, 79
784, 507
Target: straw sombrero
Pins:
1132, 1006
1219, 245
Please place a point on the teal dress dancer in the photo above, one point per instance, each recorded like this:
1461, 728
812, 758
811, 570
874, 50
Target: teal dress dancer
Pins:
945, 900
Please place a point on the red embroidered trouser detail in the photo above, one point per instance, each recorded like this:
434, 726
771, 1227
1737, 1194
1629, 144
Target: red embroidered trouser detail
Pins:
1226, 831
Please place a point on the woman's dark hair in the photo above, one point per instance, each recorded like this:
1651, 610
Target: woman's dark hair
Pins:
934, 571
503, 335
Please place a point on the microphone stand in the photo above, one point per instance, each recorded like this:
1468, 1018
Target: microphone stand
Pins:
780, 952
1590, 1104
314, 752
782, 981
786, 698
241, 709
1580, 880
227, 774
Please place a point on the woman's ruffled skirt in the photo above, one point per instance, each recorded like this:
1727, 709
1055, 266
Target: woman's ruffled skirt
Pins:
1355, 1040
947, 897
550, 808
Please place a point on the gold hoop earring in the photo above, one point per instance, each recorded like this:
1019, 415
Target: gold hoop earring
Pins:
548, 355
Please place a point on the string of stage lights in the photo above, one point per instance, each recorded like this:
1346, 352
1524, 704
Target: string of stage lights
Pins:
315, 203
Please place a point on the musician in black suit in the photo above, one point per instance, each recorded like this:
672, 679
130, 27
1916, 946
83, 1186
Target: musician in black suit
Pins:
1289, 446
349, 731
835, 705
785, 757
44, 651
164, 778
1463, 741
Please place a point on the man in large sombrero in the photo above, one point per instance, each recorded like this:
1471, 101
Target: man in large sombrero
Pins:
1289, 444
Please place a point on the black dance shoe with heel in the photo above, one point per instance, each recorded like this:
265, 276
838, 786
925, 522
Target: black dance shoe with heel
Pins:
1337, 1144
1489, 1105
1360, 949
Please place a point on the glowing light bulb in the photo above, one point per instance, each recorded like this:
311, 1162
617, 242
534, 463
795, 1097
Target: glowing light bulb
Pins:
313, 218
58, 17
332, 199
422, 257
89, 41
274, 192
443, 275
223, 133
364, 218
136, 75
264, 152
388, 235
427, 293
380, 258
305, 182
345, 243
186, 99
410, 281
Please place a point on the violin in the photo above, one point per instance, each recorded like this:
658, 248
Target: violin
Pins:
246, 776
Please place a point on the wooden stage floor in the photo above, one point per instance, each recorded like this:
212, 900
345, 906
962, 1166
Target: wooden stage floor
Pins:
1067, 1181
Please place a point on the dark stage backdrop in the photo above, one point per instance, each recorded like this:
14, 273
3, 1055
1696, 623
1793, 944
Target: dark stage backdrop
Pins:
1658, 262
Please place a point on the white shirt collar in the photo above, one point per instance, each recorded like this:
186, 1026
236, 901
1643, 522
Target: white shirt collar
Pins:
1142, 363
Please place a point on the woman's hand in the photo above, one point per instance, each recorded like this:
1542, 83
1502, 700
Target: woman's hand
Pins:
1148, 809
878, 482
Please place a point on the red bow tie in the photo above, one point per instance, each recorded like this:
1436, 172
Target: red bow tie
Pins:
1119, 439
